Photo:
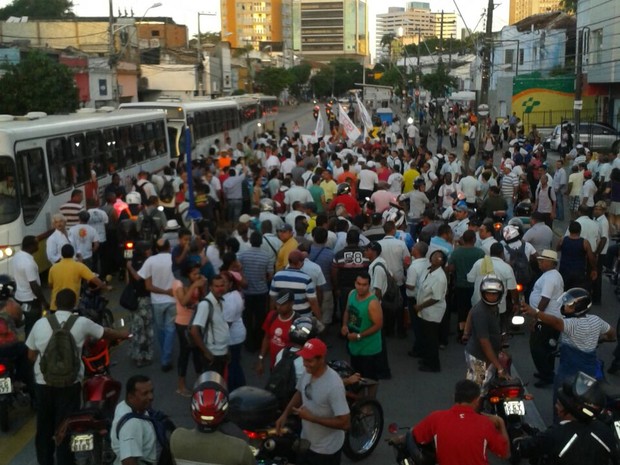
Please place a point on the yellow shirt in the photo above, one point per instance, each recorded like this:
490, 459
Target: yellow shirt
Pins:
283, 253
311, 224
67, 274
329, 188
408, 177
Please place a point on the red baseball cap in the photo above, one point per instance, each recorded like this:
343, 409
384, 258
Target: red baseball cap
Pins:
313, 348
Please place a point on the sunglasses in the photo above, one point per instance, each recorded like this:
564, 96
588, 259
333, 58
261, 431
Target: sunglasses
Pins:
308, 391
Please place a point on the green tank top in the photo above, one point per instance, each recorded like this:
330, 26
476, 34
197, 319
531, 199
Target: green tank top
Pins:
359, 321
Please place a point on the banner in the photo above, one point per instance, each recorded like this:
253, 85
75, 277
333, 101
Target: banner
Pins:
365, 117
345, 122
320, 126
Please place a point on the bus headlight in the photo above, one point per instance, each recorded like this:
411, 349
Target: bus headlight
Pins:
8, 251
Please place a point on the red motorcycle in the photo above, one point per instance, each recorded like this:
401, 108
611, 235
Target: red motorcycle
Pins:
88, 429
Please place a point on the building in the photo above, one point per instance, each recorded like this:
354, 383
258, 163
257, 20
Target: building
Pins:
252, 22
444, 24
521, 9
598, 19
327, 29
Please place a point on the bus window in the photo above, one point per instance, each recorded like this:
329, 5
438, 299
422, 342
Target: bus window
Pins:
125, 151
9, 205
96, 152
80, 161
139, 149
32, 182
111, 160
59, 163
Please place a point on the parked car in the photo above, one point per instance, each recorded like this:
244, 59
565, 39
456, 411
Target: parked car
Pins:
598, 136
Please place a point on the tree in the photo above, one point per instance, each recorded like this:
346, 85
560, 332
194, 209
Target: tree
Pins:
437, 83
568, 6
386, 43
300, 75
38, 83
272, 81
38, 9
206, 38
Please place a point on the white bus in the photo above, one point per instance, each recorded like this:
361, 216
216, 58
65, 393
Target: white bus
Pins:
208, 120
43, 158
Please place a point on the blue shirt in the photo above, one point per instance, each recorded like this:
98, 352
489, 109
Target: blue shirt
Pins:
299, 283
256, 264
324, 257
439, 243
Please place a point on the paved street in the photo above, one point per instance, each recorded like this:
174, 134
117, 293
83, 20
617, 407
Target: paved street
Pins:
406, 398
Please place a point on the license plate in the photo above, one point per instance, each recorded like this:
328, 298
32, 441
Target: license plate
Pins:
5, 386
514, 407
128, 254
82, 443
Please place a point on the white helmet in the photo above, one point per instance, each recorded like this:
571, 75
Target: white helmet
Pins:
510, 233
266, 205
133, 198
394, 214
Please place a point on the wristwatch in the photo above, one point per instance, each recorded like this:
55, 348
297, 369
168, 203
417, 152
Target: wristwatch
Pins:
261, 357
359, 336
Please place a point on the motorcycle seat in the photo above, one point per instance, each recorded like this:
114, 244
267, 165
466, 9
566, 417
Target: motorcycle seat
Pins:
504, 383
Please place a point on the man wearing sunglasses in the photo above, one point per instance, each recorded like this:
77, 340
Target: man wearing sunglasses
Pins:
321, 404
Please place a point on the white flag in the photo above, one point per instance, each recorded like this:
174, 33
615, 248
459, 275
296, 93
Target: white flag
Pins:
366, 119
320, 126
352, 132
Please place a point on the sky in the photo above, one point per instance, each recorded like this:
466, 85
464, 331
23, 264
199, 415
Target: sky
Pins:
186, 11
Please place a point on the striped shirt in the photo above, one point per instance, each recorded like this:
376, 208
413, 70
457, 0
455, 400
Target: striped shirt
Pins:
256, 263
70, 211
299, 283
583, 333
508, 185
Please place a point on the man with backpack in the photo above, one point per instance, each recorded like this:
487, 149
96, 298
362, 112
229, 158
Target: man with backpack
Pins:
54, 345
151, 221
145, 188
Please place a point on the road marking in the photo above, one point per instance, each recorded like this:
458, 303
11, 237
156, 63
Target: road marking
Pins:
9, 449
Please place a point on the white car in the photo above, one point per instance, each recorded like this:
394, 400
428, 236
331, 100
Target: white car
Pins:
598, 136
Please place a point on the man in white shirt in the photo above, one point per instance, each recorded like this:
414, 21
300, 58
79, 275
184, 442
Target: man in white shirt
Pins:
288, 164
28, 291
590, 229
415, 275
84, 239
58, 238
470, 186
368, 180
560, 182
297, 194
588, 191
485, 232
157, 273
544, 297
601, 249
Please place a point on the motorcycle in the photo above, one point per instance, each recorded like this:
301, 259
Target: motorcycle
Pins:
506, 399
11, 395
407, 451
88, 430
94, 306
366, 413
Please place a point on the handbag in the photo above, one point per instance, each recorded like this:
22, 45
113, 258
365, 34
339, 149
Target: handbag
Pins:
129, 298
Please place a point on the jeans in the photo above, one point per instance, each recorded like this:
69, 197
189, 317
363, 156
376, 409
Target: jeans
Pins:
559, 206
163, 318
53, 406
510, 208
233, 209
236, 377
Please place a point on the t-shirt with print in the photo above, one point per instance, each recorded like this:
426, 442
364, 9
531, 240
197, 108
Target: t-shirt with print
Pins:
277, 331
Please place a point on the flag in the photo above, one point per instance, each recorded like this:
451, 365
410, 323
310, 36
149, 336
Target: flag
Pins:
352, 132
320, 126
366, 119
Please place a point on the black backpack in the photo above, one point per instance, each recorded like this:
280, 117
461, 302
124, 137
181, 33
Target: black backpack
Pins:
520, 264
167, 192
163, 426
60, 363
283, 379
149, 230
140, 189
392, 299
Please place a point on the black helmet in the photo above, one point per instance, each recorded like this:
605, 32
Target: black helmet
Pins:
491, 284
523, 208
577, 298
343, 188
582, 396
7, 286
302, 329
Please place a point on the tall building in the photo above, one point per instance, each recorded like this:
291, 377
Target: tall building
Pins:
520, 9
252, 22
449, 24
328, 29
415, 21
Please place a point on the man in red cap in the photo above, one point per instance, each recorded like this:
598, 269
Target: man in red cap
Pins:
321, 404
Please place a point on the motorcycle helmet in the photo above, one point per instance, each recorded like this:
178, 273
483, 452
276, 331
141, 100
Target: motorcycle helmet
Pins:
523, 208
577, 298
209, 403
343, 188
302, 329
266, 205
342, 368
510, 233
394, 214
7, 287
582, 396
493, 285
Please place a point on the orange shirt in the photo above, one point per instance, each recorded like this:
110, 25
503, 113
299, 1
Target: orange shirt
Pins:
224, 162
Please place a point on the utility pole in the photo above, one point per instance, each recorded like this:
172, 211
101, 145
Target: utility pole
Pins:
486, 57
112, 52
578, 86
441, 38
450, 53
200, 84
419, 45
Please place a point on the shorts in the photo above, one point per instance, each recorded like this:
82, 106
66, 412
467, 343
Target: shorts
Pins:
614, 208
573, 203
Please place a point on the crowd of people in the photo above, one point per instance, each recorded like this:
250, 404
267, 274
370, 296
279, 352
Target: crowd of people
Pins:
383, 238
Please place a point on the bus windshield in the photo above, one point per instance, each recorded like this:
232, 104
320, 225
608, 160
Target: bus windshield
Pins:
9, 204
